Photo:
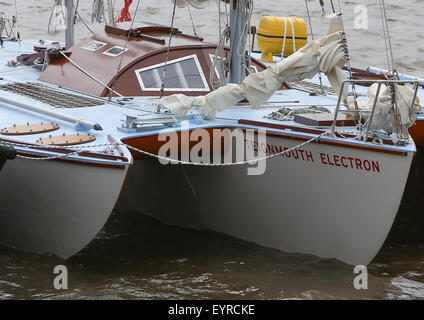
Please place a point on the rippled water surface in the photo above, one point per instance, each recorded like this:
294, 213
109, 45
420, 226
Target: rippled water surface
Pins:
138, 257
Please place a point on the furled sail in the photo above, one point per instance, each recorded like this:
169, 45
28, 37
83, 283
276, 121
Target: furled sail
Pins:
324, 55
384, 116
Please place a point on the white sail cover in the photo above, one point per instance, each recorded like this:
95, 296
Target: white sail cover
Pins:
384, 117
324, 55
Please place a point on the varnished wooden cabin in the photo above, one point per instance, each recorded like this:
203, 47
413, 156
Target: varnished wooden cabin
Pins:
189, 62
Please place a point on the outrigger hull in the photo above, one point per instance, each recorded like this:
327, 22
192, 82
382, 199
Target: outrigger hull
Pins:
334, 201
56, 207
417, 133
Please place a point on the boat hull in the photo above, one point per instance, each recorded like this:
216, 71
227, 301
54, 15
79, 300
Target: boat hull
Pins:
417, 133
56, 207
320, 205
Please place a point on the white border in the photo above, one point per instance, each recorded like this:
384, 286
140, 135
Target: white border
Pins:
199, 68
114, 55
94, 41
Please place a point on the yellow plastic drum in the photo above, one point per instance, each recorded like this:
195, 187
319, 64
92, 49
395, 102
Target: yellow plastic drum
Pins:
278, 35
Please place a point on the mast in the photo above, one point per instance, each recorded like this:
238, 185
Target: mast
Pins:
69, 36
237, 40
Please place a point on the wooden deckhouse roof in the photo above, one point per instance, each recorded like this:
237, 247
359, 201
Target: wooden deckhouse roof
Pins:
147, 46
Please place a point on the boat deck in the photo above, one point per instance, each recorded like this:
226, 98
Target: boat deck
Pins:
111, 115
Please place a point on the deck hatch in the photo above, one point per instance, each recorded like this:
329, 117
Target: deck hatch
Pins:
94, 45
51, 96
115, 51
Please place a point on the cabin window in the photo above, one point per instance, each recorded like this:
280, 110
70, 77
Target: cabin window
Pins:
115, 51
183, 74
94, 46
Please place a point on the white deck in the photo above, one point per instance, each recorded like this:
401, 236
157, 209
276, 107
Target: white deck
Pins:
110, 116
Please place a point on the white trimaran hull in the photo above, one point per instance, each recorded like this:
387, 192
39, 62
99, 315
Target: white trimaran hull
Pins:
55, 206
299, 205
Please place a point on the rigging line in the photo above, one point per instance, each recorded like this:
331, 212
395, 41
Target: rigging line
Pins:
89, 75
115, 78
347, 58
392, 72
50, 19
387, 40
388, 33
171, 32
220, 68
190, 184
191, 18
82, 20
332, 6
76, 11
313, 38
247, 9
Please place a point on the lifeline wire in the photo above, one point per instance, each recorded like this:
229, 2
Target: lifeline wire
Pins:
174, 161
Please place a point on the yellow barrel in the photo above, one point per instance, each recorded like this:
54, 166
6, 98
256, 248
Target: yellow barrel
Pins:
276, 33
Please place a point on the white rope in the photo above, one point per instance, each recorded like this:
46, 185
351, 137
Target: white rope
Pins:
222, 69
293, 35
174, 161
49, 158
285, 37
